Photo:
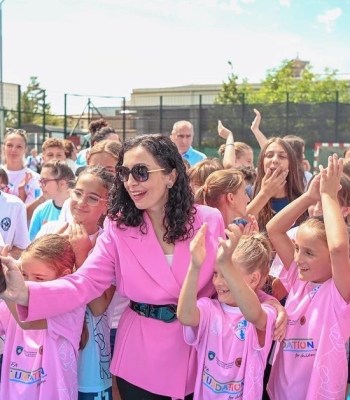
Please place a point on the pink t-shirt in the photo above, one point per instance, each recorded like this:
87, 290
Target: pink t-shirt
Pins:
231, 362
311, 362
41, 364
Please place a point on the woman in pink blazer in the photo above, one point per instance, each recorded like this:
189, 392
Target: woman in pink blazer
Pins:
144, 251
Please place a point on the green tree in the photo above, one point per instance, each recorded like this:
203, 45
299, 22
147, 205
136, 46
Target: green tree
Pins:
287, 83
232, 92
32, 104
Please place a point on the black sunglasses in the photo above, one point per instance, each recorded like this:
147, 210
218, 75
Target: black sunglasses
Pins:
139, 172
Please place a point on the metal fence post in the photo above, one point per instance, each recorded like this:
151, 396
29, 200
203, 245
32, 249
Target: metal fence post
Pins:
243, 112
160, 114
287, 113
336, 115
19, 119
124, 119
200, 115
65, 116
44, 114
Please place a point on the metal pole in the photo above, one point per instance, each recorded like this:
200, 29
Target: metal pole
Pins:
44, 114
124, 119
65, 115
161, 114
2, 116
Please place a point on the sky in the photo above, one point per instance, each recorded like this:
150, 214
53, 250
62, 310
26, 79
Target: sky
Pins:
110, 47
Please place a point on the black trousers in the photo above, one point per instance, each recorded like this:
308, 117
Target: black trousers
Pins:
129, 391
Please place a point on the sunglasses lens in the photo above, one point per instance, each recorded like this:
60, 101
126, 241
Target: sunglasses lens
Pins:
140, 173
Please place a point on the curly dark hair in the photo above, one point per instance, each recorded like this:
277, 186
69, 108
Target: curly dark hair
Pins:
179, 210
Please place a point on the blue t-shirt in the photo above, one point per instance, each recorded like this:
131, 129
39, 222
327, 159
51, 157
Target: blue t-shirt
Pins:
95, 358
47, 211
278, 204
193, 156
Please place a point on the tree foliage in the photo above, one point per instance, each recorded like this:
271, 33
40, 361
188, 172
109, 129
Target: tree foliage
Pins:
286, 83
34, 107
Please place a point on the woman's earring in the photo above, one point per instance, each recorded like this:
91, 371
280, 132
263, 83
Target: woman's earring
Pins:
169, 185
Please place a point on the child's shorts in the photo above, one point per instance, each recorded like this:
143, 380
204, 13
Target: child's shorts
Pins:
104, 395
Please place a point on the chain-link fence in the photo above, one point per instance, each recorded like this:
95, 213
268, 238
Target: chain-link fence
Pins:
315, 122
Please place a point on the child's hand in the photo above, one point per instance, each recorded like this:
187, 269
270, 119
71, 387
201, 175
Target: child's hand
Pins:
227, 246
222, 131
256, 122
280, 329
81, 243
274, 181
313, 190
197, 247
27, 177
279, 332
16, 289
251, 227
330, 177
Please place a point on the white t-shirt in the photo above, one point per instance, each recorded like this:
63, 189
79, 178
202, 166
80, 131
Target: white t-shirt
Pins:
32, 189
13, 221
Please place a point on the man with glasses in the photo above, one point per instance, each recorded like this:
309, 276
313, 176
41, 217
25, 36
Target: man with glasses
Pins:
182, 135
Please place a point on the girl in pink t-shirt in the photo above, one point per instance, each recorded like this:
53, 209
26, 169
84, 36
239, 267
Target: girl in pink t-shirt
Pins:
311, 362
40, 357
233, 333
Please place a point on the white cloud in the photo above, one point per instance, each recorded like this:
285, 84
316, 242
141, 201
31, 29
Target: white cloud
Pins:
329, 18
285, 3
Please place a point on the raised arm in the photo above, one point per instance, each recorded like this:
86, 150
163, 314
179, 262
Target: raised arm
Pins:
336, 230
245, 297
278, 226
255, 128
187, 309
229, 159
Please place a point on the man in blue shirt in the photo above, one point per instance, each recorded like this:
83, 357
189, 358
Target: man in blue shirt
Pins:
182, 136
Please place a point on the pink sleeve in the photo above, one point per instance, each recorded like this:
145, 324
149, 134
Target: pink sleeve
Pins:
68, 325
289, 277
5, 316
193, 335
64, 294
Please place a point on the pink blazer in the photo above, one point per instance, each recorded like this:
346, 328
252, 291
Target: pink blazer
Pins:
149, 353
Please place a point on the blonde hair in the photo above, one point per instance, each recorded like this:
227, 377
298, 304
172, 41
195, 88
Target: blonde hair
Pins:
240, 149
200, 172
317, 225
54, 250
52, 142
254, 253
217, 184
105, 146
20, 132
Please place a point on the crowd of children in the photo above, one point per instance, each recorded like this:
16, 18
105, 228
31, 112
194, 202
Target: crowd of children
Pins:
183, 268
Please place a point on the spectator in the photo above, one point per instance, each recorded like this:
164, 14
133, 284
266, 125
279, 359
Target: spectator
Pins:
182, 135
56, 178
199, 172
13, 223
53, 149
33, 161
71, 154
235, 154
23, 182
99, 130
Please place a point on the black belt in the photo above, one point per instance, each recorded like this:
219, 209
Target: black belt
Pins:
165, 313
